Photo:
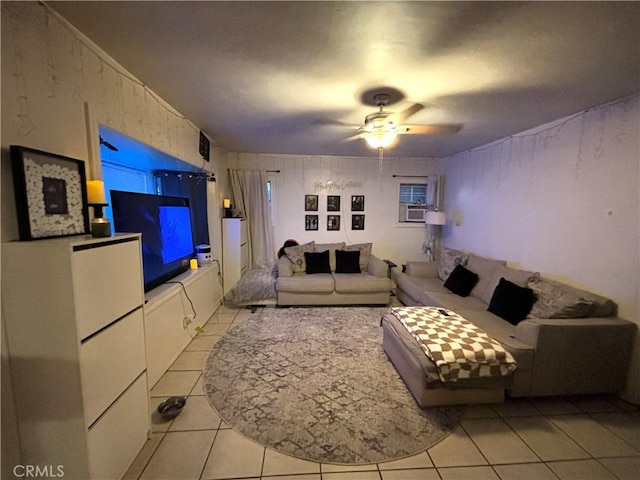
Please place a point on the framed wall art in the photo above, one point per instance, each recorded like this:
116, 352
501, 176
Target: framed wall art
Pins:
357, 222
311, 222
333, 222
50, 192
311, 203
333, 203
357, 203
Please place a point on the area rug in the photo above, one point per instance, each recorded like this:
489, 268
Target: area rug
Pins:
315, 383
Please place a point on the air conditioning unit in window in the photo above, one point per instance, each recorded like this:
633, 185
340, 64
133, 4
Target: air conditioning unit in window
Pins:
415, 213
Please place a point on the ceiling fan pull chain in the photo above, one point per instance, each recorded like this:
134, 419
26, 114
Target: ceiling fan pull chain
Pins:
380, 158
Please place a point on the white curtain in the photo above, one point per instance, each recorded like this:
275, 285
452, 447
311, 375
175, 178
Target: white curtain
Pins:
249, 191
434, 202
434, 192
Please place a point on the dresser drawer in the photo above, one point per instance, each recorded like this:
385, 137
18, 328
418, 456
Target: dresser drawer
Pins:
102, 289
110, 361
116, 438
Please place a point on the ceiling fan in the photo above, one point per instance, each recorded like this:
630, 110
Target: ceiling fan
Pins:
381, 128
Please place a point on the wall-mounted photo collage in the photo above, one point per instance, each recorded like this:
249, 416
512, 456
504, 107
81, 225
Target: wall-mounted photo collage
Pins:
311, 204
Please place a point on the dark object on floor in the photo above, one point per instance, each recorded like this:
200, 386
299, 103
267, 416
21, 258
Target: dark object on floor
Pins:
172, 407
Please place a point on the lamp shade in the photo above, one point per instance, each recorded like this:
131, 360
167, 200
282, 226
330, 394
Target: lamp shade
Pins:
435, 218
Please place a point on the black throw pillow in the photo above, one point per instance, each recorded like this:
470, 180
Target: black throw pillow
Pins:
461, 281
348, 261
511, 302
317, 262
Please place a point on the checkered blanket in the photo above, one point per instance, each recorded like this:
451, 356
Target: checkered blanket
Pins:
457, 347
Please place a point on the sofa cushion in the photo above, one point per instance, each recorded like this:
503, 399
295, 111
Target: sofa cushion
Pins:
415, 286
319, 283
514, 275
484, 267
332, 247
601, 306
554, 301
296, 255
317, 262
365, 253
361, 283
449, 260
511, 302
451, 301
347, 262
461, 281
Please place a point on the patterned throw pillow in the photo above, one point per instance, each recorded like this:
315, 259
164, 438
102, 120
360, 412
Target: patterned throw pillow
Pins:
296, 255
365, 253
555, 302
449, 260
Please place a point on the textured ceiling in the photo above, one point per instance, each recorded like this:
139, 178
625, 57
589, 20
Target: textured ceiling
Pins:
298, 77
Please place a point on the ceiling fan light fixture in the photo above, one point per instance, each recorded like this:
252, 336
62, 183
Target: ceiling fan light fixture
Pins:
380, 139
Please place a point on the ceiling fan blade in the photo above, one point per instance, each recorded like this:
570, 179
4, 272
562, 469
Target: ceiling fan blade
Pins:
334, 123
434, 129
354, 137
401, 117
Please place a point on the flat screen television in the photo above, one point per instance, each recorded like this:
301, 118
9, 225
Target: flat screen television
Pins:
167, 237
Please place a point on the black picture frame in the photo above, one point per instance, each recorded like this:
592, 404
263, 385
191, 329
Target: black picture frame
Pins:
357, 203
311, 222
204, 146
357, 222
333, 222
333, 203
50, 193
311, 203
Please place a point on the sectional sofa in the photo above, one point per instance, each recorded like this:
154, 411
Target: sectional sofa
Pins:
570, 341
332, 274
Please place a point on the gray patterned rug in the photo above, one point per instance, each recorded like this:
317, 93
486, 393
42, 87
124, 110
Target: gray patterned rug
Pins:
315, 383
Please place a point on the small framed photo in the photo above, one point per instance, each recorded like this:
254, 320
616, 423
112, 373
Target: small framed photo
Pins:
311, 203
357, 222
50, 193
357, 203
333, 203
333, 222
311, 222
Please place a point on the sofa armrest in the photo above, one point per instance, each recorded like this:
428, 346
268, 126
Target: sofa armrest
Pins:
422, 269
377, 267
285, 267
578, 355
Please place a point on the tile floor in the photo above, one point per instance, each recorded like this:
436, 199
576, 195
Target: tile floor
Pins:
557, 438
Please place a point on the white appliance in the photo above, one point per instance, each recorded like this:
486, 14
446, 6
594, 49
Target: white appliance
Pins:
415, 213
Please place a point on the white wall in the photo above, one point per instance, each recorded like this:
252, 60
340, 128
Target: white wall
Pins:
300, 175
562, 199
49, 73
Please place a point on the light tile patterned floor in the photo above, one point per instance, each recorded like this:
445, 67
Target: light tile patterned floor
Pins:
545, 438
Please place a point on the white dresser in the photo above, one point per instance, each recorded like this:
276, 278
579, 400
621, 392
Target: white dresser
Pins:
73, 309
235, 251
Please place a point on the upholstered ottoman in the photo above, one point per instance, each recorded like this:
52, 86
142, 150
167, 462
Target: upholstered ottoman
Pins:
421, 375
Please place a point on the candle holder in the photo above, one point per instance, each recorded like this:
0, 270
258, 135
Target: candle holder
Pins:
100, 226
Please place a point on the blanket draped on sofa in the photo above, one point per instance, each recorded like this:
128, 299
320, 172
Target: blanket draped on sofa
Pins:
455, 345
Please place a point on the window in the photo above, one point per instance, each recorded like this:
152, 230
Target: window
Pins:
271, 197
412, 201
413, 193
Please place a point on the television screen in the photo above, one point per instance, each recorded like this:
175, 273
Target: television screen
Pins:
165, 224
